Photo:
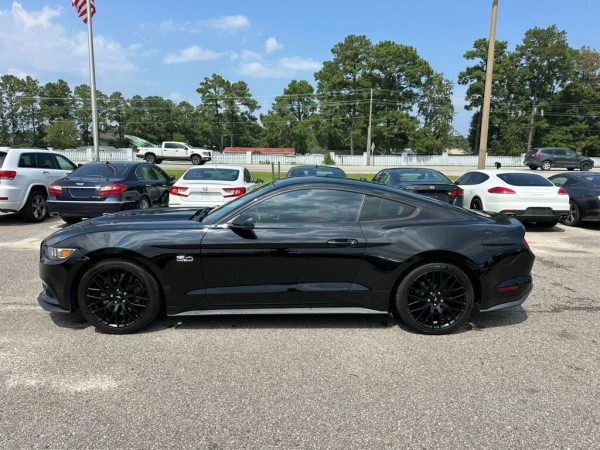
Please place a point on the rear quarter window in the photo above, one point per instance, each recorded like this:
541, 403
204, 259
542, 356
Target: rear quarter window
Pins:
524, 179
27, 160
375, 208
2, 158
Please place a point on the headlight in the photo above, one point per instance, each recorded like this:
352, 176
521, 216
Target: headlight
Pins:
58, 254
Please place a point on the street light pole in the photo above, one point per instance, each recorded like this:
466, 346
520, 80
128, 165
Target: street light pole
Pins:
487, 93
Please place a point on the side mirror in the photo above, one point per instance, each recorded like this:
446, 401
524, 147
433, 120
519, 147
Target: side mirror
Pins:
243, 223
171, 177
79, 165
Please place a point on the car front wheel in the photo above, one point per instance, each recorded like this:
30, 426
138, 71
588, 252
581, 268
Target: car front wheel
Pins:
435, 298
118, 297
196, 160
586, 166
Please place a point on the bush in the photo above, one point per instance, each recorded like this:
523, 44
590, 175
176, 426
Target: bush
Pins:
328, 160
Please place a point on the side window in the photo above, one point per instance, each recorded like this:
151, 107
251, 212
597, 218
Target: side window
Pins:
308, 206
465, 179
181, 146
479, 178
375, 208
27, 160
559, 152
45, 161
548, 152
169, 145
247, 176
64, 163
570, 182
559, 181
162, 176
145, 173
571, 153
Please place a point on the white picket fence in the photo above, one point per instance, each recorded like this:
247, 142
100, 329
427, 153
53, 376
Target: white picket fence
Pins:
126, 154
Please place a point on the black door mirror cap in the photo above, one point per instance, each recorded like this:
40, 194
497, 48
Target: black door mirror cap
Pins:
242, 223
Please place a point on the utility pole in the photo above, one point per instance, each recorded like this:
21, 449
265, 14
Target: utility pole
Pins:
369, 130
531, 126
487, 94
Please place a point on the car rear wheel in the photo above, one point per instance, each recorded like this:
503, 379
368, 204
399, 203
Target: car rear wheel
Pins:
476, 204
71, 220
118, 297
196, 160
532, 167
546, 165
586, 166
435, 298
144, 203
36, 208
150, 158
574, 217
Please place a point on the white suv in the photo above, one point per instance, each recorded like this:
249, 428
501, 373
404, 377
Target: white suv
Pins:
25, 175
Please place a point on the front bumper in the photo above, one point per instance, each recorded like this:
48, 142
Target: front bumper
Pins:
87, 209
49, 303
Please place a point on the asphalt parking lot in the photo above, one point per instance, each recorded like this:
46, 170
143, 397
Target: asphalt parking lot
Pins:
527, 377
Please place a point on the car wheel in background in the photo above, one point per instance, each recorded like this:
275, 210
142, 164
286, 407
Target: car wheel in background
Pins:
36, 208
570, 168
144, 203
532, 167
585, 166
435, 298
546, 165
159, 161
476, 204
196, 160
574, 217
118, 297
150, 158
71, 220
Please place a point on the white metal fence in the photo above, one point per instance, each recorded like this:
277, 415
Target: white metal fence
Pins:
126, 154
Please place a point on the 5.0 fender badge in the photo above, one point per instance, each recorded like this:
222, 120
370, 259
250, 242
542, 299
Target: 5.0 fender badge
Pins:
183, 258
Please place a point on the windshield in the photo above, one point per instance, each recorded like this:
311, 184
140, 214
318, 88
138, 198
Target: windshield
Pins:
524, 179
316, 171
212, 174
426, 176
224, 210
101, 170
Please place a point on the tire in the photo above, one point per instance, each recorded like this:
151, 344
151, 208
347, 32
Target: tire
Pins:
196, 160
546, 165
36, 208
476, 204
71, 220
574, 217
435, 298
532, 167
144, 203
159, 161
150, 158
585, 166
547, 224
118, 297
570, 168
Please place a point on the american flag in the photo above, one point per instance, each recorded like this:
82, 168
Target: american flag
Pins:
81, 7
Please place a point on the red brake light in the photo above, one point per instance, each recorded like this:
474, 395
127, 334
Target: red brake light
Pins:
234, 192
55, 189
501, 190
178, 190
112, 189
536, 155
7, 174
457, 192
562, 191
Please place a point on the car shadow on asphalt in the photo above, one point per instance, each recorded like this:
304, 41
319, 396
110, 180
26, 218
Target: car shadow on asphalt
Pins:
495, 319
538, 229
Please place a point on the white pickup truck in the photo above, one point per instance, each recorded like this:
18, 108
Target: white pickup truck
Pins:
174, 151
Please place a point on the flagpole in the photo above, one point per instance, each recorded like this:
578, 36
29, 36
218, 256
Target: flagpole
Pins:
92, 82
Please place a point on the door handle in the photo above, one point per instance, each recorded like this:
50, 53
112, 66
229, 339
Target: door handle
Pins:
342, 243
45, 172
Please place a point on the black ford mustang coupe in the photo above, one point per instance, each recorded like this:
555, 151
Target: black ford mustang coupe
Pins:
299, 245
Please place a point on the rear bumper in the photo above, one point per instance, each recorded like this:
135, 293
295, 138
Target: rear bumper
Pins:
15, 197
536, 214
86, 209
510, 304
532, 163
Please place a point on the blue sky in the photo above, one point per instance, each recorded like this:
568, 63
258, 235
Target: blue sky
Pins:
158, 47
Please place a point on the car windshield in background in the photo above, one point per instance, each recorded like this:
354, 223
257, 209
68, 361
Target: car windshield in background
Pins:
101, 170
211, 174
406, 176
591, 178
316, 172
524, 179
2, 156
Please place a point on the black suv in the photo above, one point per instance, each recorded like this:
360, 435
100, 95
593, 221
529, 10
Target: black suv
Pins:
547, 158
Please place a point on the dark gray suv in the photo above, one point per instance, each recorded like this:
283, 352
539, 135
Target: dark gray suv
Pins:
547, 158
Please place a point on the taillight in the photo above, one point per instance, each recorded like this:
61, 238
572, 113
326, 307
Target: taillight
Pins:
458, 192
562, 191
501, 190
112, 189
55, 189
137, 150
535, 155
179, 190
7, 174
234, 192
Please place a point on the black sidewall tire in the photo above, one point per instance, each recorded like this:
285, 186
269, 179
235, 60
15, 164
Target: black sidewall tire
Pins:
150, 158
532, 167
196, 160
141, 200
577, 219
585, 167
476, 204
27, 211
402, 291
150, 283
546, 165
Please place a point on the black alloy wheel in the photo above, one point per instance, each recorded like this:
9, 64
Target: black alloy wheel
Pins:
435, 298
476, 205
586, 166
36, 208
574, 217
546, 165
150, 158
196, 160
118, 297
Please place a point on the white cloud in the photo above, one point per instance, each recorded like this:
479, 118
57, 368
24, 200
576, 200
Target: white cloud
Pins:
227, 23
285, 67
33, 42
18, 72
271, 44
193, 53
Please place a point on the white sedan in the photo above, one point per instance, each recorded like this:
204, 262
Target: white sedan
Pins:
211, 186
527, 196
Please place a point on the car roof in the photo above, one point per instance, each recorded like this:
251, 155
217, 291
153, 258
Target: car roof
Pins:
316, 166
217, 166
500, 171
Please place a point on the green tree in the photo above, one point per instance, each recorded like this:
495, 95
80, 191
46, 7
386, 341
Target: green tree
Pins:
117, 115
55, 102
62, 134
31, 115
11, 89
